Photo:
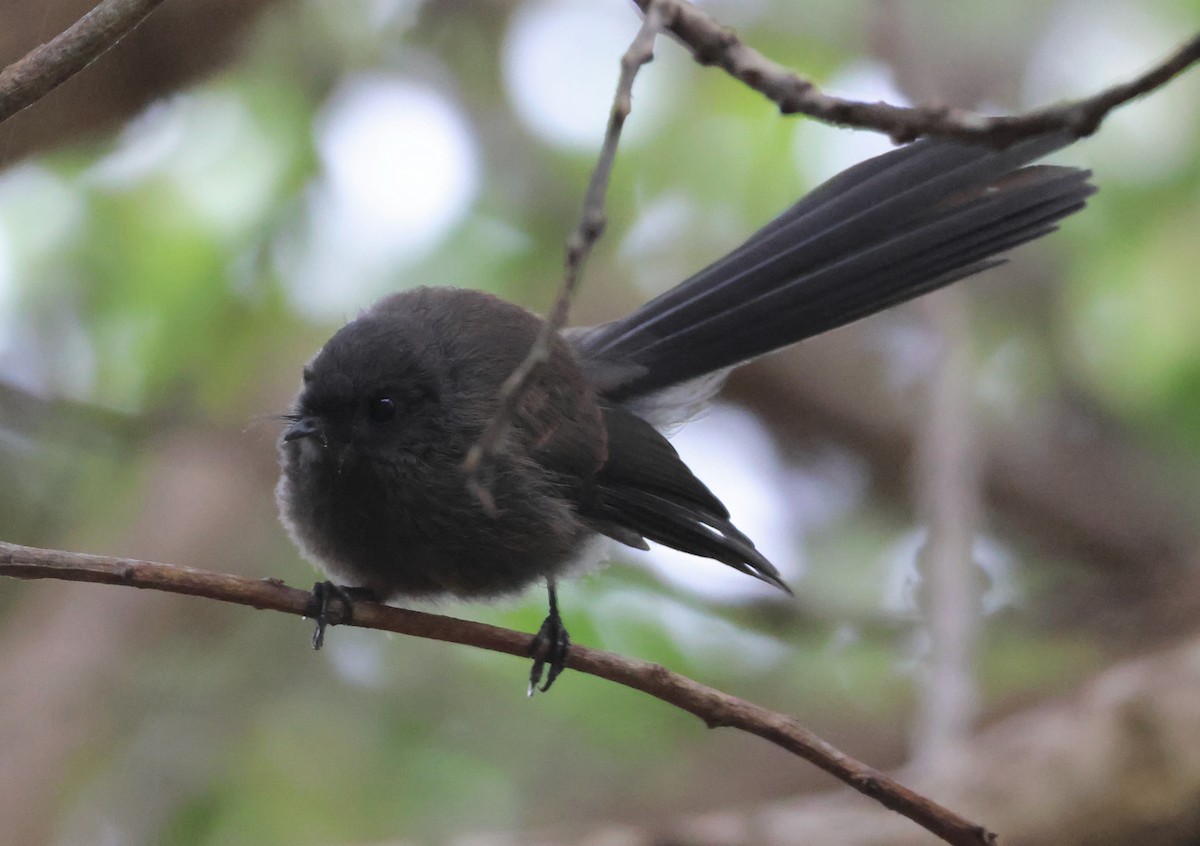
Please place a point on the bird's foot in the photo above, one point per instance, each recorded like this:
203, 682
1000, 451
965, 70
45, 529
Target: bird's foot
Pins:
549, 650
332, 605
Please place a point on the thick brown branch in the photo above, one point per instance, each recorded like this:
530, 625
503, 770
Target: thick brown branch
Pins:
713, 44
712, 706
579, 245
49, 65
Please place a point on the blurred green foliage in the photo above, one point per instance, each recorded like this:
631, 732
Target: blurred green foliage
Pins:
150, 275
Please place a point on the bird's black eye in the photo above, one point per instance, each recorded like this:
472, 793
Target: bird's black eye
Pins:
381, 409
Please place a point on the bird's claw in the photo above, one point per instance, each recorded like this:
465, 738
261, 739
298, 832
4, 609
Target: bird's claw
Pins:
549, 649
332, 605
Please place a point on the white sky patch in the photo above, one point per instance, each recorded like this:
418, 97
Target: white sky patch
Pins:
732, 453
231, 179
40, 215
1090, 45
8, 291
665, 219
649, 249
395, 13
700, 635
820, 150
401, 170
906, 349
145, 146
400, 162
993, 559
561, 61
39, 212
358, 658
209, 145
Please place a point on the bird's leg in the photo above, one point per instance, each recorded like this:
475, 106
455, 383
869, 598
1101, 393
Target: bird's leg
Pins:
325, 612
549, 647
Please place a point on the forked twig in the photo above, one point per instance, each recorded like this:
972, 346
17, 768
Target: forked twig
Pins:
713, 44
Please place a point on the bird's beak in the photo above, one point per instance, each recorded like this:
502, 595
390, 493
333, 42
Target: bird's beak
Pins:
306, 427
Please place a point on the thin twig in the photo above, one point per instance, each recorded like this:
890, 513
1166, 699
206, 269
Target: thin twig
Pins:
713, 44
579, 245
49, 65
712, 706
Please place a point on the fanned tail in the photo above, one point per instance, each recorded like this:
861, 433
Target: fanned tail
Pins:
882, 232
878, 234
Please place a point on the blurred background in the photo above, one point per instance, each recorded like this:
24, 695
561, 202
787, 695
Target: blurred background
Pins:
986, 501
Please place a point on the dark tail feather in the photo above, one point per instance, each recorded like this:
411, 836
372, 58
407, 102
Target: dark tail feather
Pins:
689, 529
882, 232
645, 490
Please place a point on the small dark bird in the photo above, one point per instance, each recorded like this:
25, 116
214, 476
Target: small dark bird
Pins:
373, 488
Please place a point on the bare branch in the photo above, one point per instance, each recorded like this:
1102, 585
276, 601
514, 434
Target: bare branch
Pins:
713, 44
579, 246
49, 65
712, 706
1112, 762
